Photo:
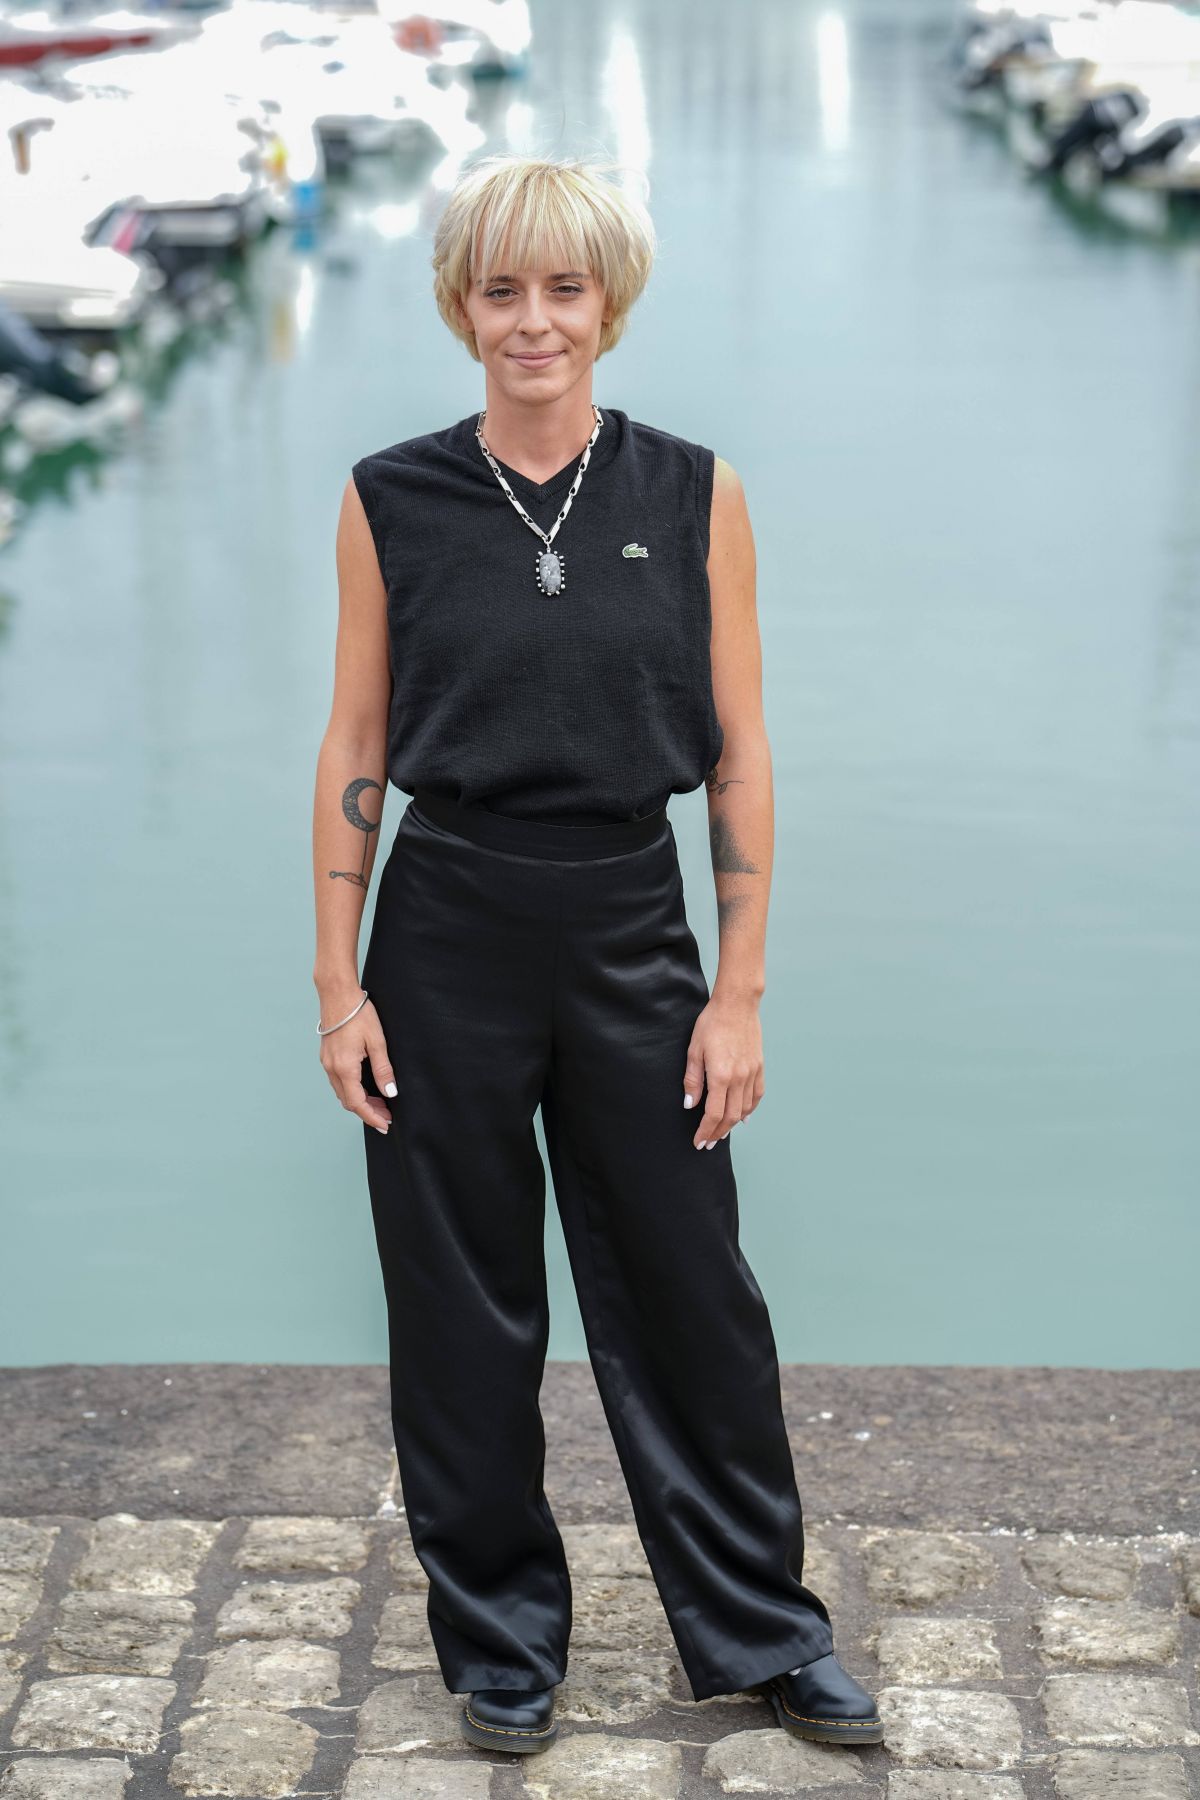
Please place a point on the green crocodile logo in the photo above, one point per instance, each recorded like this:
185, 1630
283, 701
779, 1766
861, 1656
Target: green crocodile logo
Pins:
635, 550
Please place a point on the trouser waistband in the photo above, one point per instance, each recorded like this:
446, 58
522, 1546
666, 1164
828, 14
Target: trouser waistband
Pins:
539, 837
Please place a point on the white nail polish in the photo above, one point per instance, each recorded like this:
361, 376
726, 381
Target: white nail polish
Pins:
712, 1143
688, 1101
390, 1090
383, 1129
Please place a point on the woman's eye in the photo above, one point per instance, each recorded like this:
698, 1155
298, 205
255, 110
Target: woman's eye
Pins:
569, 289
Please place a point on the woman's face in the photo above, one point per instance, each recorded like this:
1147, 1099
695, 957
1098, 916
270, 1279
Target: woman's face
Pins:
537, 330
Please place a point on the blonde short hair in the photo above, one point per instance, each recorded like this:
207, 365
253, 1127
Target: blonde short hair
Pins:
536, 212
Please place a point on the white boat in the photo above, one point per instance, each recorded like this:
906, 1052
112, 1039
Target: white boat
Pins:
1102, 91
189, 160
32, 35
55, 280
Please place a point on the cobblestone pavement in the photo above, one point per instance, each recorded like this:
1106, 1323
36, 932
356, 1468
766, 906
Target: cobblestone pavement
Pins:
151, 1657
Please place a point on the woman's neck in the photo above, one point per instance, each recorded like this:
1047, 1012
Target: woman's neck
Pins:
539, 439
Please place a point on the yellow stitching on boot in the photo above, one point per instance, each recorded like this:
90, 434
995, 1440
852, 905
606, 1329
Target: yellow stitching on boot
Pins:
511, 1730
807, 1719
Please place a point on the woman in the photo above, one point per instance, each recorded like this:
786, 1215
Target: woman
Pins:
547, 627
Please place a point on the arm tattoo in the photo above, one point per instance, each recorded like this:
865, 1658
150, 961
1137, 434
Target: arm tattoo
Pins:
351, 809
727, 857
713, 782
729, 907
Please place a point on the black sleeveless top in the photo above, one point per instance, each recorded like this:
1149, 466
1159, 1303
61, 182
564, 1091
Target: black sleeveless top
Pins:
591, 704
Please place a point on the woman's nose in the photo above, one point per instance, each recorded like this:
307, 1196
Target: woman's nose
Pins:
533, 318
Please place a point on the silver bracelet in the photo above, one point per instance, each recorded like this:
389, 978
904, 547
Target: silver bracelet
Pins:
324, 1032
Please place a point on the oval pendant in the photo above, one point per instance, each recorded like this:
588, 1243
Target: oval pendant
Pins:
551, 572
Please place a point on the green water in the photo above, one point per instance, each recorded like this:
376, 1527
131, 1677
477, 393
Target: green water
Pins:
967, 415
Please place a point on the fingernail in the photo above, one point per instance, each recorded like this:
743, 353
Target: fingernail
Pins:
382, 1128
688, 1101
390, 1090
712, 1143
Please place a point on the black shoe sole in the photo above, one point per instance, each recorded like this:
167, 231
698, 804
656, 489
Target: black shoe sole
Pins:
513, 1739
822, 1731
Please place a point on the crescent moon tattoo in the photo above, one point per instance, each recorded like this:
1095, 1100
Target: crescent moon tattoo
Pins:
355, 817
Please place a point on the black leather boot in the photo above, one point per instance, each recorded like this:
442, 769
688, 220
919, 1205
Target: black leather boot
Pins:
820, 1700
505, 1719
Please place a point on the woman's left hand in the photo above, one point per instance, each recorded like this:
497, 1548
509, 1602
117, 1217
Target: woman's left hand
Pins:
726, 1054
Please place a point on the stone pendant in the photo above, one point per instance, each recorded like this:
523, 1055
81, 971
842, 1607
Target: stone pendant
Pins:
551, 572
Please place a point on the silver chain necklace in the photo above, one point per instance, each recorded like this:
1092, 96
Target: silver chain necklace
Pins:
551, 565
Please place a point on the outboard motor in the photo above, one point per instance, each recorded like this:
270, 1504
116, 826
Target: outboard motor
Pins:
1147, 148
1097, 121
986, 53
26, 353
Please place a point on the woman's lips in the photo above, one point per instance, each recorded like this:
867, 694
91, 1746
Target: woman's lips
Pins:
535, 359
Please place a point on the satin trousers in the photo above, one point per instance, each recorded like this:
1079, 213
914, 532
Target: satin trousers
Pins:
517, 964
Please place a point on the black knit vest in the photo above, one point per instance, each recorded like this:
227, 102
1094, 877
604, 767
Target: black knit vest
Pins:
594, 703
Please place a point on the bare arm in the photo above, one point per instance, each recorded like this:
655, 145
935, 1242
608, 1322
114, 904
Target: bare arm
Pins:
727, 1042
347, 811
741, 806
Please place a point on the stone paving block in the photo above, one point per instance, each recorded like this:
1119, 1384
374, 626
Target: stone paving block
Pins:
293, 1545
1092, 1774
408, 1575
774, 1762
145, 1556
918, 1568
242, 1750
822, 1569
11, 1662
25, 1548
954, 1784
1148, 1710
93, 1712
65, 1778
404, 1640
681, 1690
1103, 1634
620, 1613
1189, 1561
599, 1551
20, 1597
415, 1713
317, 1609
606, 1687
1094, 1570
119, 1634
417, 1778
920, 1651
272, 1673
949, 1727
595, 1766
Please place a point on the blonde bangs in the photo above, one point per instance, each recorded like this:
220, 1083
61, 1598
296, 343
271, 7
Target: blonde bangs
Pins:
508, 213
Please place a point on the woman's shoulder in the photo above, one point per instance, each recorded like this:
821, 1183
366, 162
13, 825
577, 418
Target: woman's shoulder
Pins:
657, 440
678, 465
420, 453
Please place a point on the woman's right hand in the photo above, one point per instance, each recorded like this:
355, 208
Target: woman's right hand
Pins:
344, 1051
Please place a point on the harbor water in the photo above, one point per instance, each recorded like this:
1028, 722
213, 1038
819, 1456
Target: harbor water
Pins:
966, 411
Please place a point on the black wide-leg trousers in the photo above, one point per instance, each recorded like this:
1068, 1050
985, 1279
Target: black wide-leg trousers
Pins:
517, 964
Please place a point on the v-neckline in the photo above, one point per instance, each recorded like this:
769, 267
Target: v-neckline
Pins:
537, 493
538, 490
